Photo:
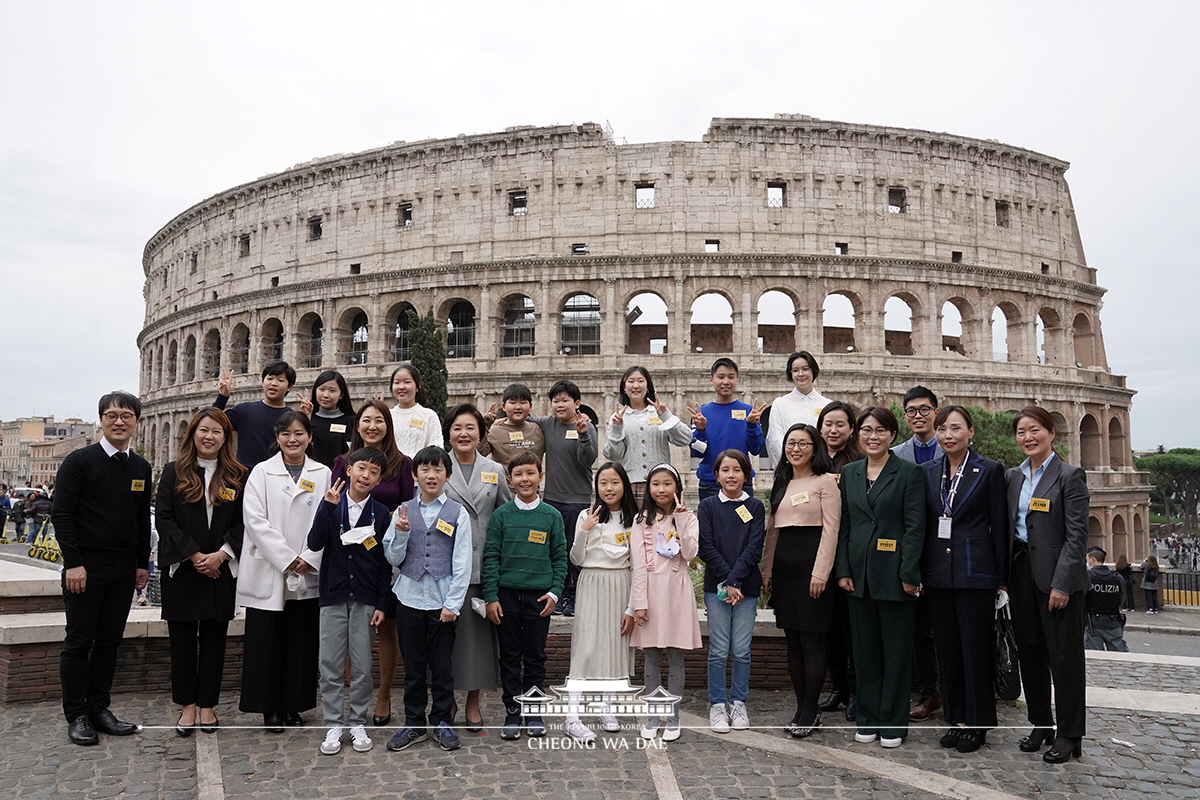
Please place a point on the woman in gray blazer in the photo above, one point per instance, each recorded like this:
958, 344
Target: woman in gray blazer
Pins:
480, 484
1048, 505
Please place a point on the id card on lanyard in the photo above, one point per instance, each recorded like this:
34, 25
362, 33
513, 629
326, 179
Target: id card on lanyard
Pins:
944, 521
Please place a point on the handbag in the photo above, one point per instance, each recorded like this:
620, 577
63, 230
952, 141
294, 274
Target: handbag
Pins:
1008, 671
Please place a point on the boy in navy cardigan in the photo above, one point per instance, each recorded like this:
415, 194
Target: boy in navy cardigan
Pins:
354, 582
431, 543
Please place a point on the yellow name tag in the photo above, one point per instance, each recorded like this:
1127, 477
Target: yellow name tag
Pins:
744, 513
738, 413
416, 422
817, 411
488, 477
572, 434
1039, 504
138, 486
672, 536
337, 428
537, 537
654, 421
516, 436
886, 545
837, 478
623, 537
799, 498
369, 542
306, 485
445, 527
228, 494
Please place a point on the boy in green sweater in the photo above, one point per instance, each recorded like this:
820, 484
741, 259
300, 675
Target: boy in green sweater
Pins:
524, 567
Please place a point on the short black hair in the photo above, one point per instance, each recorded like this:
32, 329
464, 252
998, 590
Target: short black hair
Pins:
723, 362
433, 455
279, 367
737, 455
1098, 553
623, 397
368, 454
121, 399
459, 410
566, 387
344, 405
916, 393
883, 416
522, 459
516, 391
809, 358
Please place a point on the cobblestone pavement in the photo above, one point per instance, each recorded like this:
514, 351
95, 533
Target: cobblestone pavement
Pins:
1154, 677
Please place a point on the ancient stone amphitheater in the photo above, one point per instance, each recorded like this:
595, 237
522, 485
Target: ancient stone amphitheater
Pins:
901, 256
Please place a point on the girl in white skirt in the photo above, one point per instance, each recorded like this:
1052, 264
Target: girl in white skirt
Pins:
603, 619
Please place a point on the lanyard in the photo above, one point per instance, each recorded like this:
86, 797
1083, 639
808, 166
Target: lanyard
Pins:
948, 497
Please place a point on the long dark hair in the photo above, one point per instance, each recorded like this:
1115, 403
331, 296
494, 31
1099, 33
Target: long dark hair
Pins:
650, 510
388, 446
344, 405
820, 463
850, 452
629, 507
416, 376
651, 397
229, 472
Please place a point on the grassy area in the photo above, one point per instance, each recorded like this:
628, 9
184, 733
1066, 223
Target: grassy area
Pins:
1161, 518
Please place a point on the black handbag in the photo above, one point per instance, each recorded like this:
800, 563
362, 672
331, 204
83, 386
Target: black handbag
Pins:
1008, 671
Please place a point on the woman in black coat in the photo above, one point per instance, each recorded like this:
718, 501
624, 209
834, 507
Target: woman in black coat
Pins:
198, 513
964, 565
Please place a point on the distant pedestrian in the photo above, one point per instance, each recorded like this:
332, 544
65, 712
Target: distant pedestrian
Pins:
1125, 570
1150, 575
1105, 627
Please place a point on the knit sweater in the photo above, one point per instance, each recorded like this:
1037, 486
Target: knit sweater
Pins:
502, 445
524, 550
723, 432
351, 572
730, 546
102, 509
331, 436
569, 458
255, 426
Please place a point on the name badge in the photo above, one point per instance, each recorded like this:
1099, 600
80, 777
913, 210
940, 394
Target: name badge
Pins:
817, 411
572, 434
943, 527
488, 477
341, 428
744, 513
738, 413
799, 498
672, 536
537, 537
623, 537
416, 422
1039, 504
138, 486
306, 485
445, 527
837, 478
654, 421
886, 545
228, 494
369, 542
516, 436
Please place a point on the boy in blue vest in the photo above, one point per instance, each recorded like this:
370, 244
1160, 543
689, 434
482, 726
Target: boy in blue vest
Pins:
430, 541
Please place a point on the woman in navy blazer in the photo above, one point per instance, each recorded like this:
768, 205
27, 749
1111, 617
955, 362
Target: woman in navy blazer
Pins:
964, 564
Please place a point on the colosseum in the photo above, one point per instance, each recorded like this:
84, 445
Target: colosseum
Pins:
549, 252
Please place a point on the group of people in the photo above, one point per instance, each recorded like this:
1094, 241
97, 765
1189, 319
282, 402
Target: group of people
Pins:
457, 539
29, 514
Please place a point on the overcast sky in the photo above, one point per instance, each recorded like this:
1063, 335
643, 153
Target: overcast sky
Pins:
117, 116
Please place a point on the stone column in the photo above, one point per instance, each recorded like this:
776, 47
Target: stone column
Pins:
679, 339
546, 337
485, 325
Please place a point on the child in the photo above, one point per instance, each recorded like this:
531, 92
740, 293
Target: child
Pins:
723, 424
332, 424
515, 433
524, 566
354, 584
255, 422
731, 542
416, 426
664, 539
600, 639
431, 544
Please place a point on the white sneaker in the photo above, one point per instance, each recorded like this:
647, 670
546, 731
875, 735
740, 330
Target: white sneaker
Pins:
671, 733
865, 738
896, 742
333, 741
738, 718
359, 739
577, 730
609, 723
718, 719
650, 729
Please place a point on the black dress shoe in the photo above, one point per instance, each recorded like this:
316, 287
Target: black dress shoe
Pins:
106, 722
950, 738
273, 721
971, 740
381, 721
1063, 751
852, 709
81, 731
210, 727
832, 703
294, 719
182, 730
1036, 738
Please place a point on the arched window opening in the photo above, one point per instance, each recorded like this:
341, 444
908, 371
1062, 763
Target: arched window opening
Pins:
837, 321
646, 324
518, 328
272, 340
712, 324
1085, 341
187, 370
579, 332
400, 348
212, 354
310, 341
460, 331
1089, 442
1095, 532
776, 323
1117, 450
999, 335
898, 326
172, 362
355, 339
239, 349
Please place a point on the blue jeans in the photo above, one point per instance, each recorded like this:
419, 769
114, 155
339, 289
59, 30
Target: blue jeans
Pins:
730, 629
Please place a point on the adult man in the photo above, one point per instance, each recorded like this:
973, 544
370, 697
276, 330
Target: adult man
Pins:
920, 409
1105, 628
255, 422
101, 516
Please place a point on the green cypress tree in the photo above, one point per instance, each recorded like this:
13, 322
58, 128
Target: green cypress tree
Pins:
429, 356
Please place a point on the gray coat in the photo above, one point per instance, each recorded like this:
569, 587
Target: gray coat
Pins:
905, 450
480, 498
1058, 537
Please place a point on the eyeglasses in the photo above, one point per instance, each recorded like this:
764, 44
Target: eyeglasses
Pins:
923, 411
872, 432
797, 445
113, 416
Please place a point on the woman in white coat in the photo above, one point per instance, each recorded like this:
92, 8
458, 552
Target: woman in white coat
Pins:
277, 578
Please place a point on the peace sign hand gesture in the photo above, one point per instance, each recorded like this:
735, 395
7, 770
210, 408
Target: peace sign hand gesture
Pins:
225, 382
334, 495
699, 421
581, 423
305, 402
402, 519
679, 506
591, 520
660, 408
618, 417
756, 412
490, 416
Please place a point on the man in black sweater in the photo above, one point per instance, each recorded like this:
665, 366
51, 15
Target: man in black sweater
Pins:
101, 517
255, 422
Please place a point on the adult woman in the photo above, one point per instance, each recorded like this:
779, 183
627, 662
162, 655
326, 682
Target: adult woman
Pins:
878, 563
332, 420
277, 578
1150, 574
642, 430
1125, 570
373, 427
802, 404
480, 485
198, 514
964, 564
806, 513
836, 424
1048, 508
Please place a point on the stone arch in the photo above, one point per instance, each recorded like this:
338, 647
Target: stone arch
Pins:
271, 339
776, 322
1084, 338
152, 445
579, 326
1118, 453
187, 361
711, 328
1006, 332
1120, 537
353, 336
398, 325
1062, 428
211, 354
460, 329
167, 453
149, 358
518, 326
172, 361
159, 369
956, 326
901, 324
1139, 535
1095, 531
310, 341
1049, 333
1089, 443
840, 338
239, 349
646, 323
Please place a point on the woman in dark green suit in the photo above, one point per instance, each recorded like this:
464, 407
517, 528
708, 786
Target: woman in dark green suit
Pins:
878, 564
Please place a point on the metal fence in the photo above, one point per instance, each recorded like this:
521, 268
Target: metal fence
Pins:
1180, 588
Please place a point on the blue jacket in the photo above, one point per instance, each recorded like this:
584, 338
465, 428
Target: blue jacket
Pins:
976, 554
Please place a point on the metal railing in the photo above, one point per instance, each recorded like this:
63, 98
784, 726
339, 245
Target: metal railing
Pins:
1180, 588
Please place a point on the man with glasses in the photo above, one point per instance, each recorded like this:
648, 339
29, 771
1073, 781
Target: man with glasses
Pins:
101, 516
920, 409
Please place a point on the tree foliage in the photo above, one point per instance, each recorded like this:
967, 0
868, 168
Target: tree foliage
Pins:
1176, 473
993, 435
428, 343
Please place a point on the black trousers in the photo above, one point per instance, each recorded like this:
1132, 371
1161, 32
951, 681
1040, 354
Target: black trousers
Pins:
965, 628
95, 625
839, 650
280, 658
522, 634
1049, 648
570, 515
925, 659
197, 660
427, 645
